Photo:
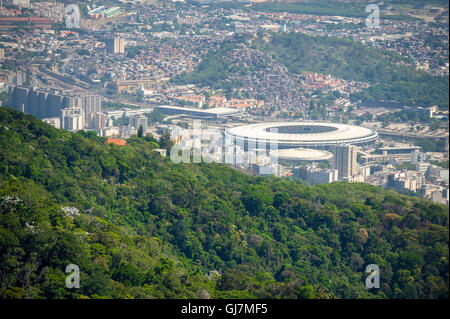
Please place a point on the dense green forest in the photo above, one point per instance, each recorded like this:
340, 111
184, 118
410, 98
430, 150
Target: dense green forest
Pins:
391, 80
139, 226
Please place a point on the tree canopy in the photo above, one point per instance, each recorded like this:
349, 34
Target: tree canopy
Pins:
140, 226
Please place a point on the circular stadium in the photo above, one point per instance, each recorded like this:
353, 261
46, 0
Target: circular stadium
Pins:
318, 135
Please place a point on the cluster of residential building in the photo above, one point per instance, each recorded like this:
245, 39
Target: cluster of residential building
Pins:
73, 110
426, 179
426, 44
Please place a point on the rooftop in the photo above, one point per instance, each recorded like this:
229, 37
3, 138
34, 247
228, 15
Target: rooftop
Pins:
216, 110
116, 141
303, 132
302, 154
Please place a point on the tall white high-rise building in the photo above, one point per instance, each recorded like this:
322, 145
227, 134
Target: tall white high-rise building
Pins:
139, 120
92, 104
345, 161
98, 121
115, 46
72, 119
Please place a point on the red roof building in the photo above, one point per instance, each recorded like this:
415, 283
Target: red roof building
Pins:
116, 141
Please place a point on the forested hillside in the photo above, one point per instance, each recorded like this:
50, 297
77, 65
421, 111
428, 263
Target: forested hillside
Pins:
331, 8
139, 226
392, 77
391, 80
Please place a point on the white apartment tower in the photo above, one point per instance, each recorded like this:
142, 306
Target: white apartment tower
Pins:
72, 119
345, 161
115, 46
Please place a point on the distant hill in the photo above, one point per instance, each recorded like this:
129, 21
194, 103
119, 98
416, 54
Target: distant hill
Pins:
139, 226
355, 9
392, 78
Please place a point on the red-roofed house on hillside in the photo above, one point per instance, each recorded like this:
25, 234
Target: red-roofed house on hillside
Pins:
116, 141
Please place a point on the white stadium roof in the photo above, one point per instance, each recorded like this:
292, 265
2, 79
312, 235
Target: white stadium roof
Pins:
304, 134
302, 154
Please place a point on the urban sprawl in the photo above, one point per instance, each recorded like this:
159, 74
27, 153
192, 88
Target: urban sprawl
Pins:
118, 74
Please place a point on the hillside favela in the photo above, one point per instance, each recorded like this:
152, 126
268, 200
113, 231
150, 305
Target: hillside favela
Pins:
209, 149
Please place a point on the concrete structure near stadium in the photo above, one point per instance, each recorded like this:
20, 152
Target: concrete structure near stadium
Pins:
316, 135
214, 113
295, 155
